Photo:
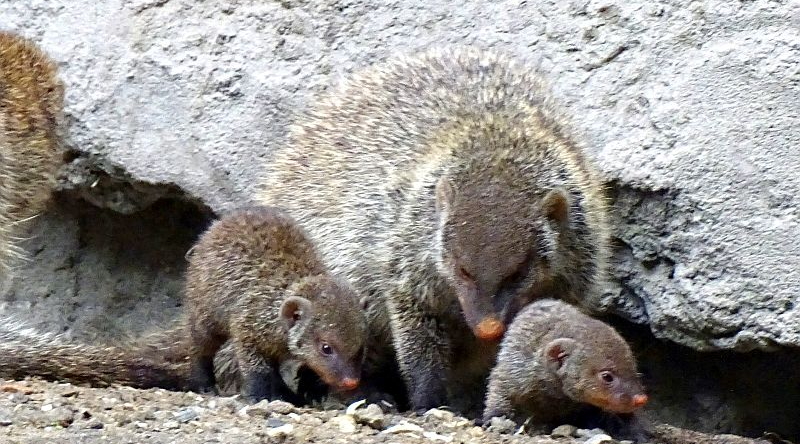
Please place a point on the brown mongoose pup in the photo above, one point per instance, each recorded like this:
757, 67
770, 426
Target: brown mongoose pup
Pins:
554, 359
26, 352
254, 278
447, 185
31, 101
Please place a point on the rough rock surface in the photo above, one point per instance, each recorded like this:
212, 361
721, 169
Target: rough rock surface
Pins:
689, 108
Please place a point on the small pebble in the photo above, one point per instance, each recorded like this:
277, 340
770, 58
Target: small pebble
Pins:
502, 425
351, 409
171, 425
437, 437
311, 420
61, 416
259, 409
476, 432
281, 407
600, 438
444, 415
586, 433
187, 414
280, 432
345, 423
404, 427
95, 425
275, 422
565, 431
371, 416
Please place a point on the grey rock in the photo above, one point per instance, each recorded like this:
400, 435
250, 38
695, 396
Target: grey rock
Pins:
600, 438
565, 431
281, 407
371, 415
280, 431
261, 408
587, 433
187, 414
275, 422
688, 109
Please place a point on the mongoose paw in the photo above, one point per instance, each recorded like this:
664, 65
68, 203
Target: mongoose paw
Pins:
431, 399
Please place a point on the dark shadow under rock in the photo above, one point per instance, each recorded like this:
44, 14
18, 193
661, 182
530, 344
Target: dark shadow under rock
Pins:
718, 392
94, 273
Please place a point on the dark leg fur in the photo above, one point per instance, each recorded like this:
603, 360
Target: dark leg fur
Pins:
257, 374
204, 347
423, 356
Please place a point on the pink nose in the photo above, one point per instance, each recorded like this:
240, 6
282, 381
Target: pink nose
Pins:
490, 329
639, 400
348, 383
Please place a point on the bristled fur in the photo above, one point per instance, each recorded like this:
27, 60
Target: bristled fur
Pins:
31, 101
444, 183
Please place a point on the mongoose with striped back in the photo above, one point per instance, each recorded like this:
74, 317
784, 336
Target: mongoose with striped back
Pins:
554, 360
31, 101
446, 186
254, 278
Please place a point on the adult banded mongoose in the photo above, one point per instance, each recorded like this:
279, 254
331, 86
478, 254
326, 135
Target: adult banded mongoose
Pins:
555, 359
31, 101
446, 186
255, 279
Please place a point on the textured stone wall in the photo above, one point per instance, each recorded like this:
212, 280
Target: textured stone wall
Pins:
689, 108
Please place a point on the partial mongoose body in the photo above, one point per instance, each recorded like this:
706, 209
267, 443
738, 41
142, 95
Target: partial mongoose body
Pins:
446, 186
255, 279
555, 359
145, 363
31, 100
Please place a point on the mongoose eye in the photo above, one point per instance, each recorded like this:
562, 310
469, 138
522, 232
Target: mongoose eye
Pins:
326, 349
607, 377
464, 274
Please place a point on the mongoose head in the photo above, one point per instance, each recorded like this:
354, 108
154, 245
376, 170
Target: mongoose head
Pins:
497, 242
601, 373
327, 329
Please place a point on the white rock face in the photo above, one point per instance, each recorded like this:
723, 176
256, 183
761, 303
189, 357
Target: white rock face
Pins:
689, 108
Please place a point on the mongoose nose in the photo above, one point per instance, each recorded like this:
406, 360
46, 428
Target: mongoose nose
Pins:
348, 383
489, 329
639, 400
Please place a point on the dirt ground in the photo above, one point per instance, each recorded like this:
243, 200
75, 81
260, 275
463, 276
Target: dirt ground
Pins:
40, 412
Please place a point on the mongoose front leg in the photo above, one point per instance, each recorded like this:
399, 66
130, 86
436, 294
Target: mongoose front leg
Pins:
204, 347
423, 350
497, 404
257, 373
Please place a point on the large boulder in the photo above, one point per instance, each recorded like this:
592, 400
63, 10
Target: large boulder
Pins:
689, 109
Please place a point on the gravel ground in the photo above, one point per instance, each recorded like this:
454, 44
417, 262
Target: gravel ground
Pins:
35, 411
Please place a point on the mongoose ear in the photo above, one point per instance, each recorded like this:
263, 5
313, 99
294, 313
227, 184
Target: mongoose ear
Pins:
555, 205
444, 194
293, 309
558, 350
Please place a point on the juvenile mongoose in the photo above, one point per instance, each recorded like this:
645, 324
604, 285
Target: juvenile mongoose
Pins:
254, 278
555, 359
27, 352
31, 100
446, 185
